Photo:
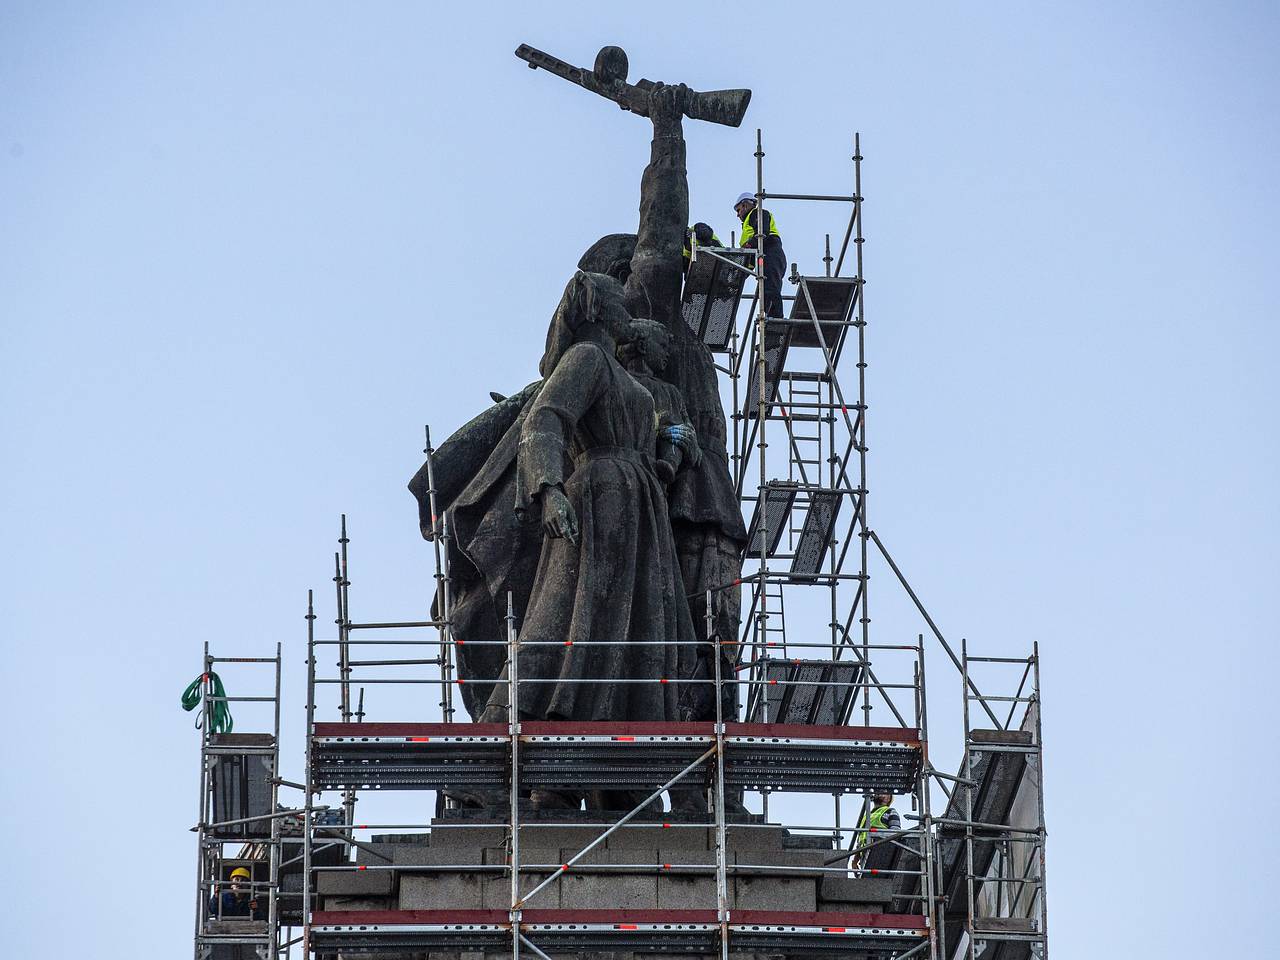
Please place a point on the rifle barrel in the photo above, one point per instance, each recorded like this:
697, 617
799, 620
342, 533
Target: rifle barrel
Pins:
536, 58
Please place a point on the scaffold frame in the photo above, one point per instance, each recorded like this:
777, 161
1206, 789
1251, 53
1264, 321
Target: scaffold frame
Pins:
807, 721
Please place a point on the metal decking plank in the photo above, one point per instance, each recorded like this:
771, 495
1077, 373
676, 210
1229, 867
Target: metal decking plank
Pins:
816, 532
790, 756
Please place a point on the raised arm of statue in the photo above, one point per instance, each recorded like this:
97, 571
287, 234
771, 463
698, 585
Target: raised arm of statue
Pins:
653, 289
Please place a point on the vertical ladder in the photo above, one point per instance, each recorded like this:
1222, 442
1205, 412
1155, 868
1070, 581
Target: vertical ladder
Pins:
803, 416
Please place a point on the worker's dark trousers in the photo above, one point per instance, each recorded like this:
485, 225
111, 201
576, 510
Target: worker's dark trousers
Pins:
775, 268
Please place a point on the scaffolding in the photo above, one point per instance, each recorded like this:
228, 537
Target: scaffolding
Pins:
239, 792
968, 883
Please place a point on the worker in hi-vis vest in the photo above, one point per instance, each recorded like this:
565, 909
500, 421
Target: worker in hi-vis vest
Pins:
880, 816
775, 258
705, 236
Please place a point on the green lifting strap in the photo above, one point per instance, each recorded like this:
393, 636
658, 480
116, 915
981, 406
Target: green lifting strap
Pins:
222, 722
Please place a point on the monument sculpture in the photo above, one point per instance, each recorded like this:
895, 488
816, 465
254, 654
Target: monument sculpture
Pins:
554, 496
589, 551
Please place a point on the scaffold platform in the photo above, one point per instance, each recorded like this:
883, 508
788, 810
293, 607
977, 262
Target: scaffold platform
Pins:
391, 932
797, 757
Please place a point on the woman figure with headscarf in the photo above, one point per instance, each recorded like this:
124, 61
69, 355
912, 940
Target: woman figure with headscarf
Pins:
608, 570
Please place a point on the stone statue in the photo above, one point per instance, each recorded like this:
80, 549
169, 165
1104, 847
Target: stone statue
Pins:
496, 549
608, 568
705, 513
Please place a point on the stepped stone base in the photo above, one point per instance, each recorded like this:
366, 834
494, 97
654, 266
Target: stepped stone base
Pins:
461, 865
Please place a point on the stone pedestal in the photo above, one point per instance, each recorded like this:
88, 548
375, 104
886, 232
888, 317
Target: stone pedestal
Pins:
462, 865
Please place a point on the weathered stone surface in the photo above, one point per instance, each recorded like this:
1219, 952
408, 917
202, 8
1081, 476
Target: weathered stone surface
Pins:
242, 927
687, 857
558, 836
639, 856
621, 891
441, 891
692, 838
496, 891
856, 890
452, 837
806, 841
685, 892
429, 856
782, 858
754, 838
412, 839
355, 883
382, 849
357, 903
375, 854
775, 893
530, 855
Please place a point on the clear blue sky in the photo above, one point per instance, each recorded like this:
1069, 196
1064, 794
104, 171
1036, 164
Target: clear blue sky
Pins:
248, 250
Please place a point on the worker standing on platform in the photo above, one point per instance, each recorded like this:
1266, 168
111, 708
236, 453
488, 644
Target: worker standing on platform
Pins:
236, 901
775, 258
880, 816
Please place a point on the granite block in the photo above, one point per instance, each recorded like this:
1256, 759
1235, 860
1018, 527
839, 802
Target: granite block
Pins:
355, 883
775, 893
441, 891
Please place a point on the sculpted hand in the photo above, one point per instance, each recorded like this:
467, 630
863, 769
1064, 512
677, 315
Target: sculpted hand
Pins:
558, 518
686, 438
668, 102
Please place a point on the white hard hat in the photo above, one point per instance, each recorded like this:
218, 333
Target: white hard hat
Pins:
744, 196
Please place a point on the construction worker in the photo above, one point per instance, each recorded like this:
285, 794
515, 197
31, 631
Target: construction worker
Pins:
705, 236
775, 258
879, 816
235, 901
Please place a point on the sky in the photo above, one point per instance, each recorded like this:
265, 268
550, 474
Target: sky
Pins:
248, 251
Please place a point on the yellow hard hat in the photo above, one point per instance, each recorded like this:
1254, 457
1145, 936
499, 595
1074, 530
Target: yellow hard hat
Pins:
241, 872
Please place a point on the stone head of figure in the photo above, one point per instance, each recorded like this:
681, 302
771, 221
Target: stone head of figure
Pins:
592, 308
650, 341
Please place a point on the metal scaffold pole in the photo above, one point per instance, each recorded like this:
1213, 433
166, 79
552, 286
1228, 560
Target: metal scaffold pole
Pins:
1039, 757
722, 854
860, 436
307, 815
202, 817
444, 585
513, 730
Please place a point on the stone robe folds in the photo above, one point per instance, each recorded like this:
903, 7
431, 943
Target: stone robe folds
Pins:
591, 430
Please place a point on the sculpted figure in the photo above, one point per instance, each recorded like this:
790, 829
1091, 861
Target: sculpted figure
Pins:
705, 513
495, 549
608, 569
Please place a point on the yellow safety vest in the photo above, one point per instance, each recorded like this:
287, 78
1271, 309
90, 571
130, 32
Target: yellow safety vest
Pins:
749, 232
874, 822
687, 252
